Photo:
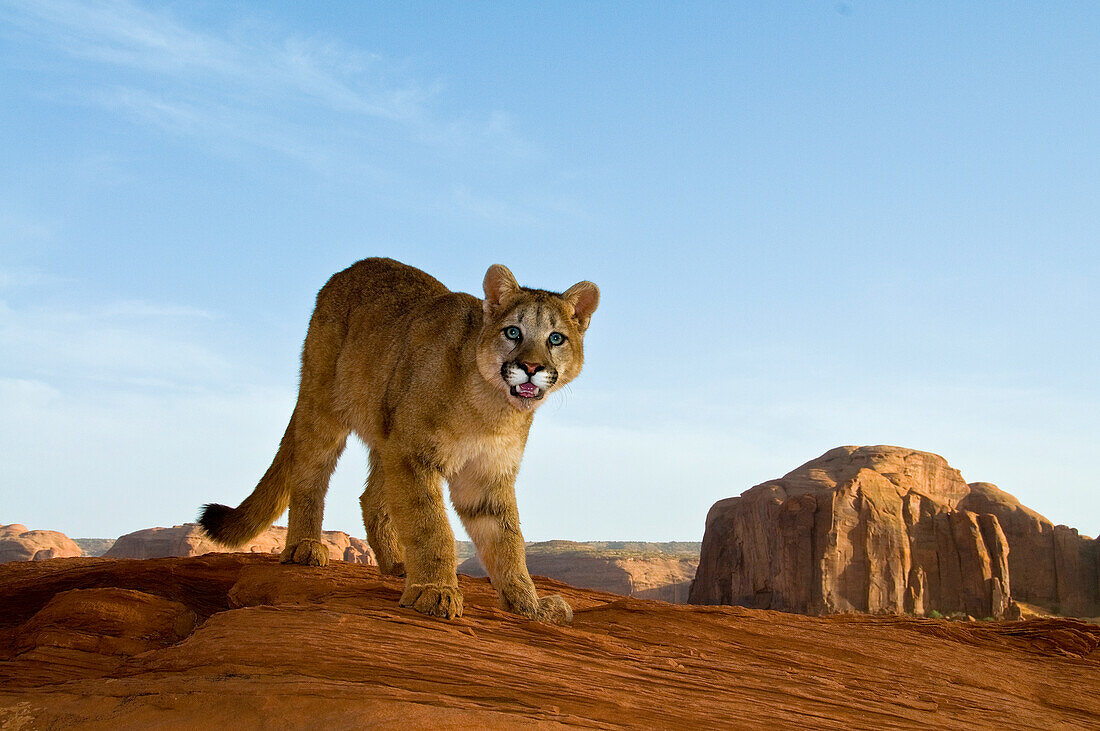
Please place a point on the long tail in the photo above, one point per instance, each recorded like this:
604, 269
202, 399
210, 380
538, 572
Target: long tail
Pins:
234, 527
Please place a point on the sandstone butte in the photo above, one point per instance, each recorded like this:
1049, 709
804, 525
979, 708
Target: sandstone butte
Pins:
238, 640
891, 530
19, 544
189, 540
646, 575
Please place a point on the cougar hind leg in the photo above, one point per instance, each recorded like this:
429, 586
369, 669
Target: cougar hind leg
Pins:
318, 440
317, 446
381, 534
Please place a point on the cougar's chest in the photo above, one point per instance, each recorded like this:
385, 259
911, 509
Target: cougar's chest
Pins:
488, 452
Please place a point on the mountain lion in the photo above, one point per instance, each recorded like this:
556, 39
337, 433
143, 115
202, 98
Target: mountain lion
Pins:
440, 386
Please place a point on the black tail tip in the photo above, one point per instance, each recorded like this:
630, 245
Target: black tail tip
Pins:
213, 519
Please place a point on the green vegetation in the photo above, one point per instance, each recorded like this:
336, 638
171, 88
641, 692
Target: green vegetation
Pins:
934, 614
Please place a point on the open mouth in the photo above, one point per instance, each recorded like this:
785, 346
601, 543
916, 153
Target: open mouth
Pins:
527, 390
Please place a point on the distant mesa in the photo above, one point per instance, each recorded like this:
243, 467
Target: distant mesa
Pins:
189, 540
644, 570
647, 570
95, 546
891, 530
19, 544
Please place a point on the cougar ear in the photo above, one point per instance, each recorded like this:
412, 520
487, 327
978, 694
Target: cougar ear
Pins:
499, 286
585, 298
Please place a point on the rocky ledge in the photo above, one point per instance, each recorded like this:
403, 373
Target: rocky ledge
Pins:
196, 642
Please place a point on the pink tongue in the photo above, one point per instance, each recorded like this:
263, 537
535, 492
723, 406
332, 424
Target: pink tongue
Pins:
527, 390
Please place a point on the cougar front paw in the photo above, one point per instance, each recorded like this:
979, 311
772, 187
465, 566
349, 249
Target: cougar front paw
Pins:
433, 599
307, 552
552, 609
555, 610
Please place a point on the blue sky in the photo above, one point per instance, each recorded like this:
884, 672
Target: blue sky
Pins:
813, 224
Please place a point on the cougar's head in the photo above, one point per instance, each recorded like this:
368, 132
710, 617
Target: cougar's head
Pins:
532, 341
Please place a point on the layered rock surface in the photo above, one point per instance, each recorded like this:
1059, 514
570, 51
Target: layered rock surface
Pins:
665, 576
887, 529
189, 540
243, 640
19, 544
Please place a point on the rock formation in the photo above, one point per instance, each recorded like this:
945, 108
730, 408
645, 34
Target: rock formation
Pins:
189, 540
19, 544
886, 529
1051, 565
240, 640
644, 574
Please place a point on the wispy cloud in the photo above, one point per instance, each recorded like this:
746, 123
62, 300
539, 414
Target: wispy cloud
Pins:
18, 231
141, 309
490, 210
248, 84
121, 344
225, 124
12, 278
123, 34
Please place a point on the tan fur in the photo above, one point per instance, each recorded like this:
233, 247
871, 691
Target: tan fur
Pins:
418, 373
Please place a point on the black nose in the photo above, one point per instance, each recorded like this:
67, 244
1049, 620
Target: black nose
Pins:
532, 368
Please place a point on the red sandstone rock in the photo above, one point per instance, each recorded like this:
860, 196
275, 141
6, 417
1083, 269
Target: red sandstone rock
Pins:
107, 622
19, 544
279, 646
189, 540
867, 529
1051, 565
648, 575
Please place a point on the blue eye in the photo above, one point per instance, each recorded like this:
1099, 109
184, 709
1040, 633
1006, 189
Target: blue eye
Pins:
556, 339
512, 333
